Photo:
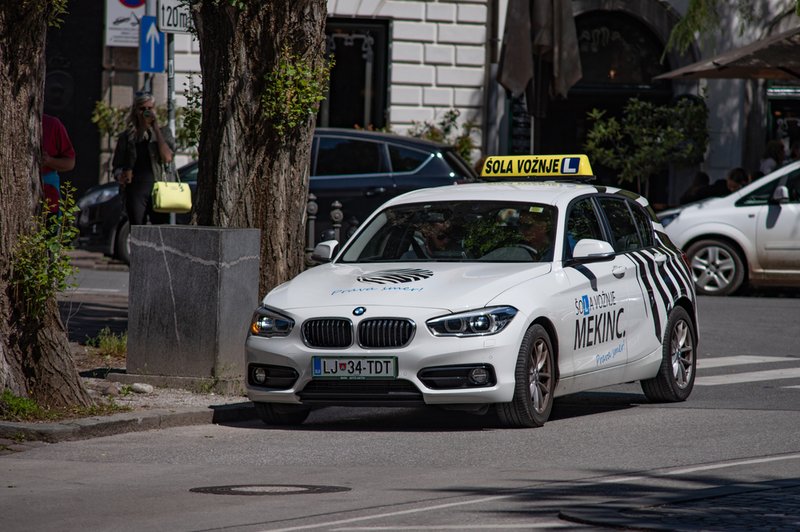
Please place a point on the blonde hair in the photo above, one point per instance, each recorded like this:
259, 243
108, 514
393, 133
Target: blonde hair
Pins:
133, 124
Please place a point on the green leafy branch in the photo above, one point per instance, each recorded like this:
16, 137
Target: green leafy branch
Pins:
446, 131
293, 91
649, 137
41, 267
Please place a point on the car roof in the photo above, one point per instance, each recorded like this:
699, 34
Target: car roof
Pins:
381, 136
546, 192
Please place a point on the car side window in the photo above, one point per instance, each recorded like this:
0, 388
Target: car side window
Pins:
759, 196
581, 223
793, 184
406, 159
624, 234
339, 156
644, 223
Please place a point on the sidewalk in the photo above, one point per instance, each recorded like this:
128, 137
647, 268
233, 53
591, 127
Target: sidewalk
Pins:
84, 316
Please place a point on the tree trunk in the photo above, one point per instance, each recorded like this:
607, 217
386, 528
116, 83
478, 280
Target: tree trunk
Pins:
35, 360
249, 176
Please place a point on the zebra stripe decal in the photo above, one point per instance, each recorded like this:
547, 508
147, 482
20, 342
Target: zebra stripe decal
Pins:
665, 283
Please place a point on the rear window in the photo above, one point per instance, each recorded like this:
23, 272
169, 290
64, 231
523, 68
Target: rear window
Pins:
338, 156
406, 159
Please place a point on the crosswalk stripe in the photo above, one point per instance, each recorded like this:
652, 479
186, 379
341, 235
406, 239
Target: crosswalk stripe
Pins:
718, 362
753, 376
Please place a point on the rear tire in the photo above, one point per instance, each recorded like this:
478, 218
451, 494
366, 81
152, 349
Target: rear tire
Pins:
675, 378
280, 414
122, 246
717, 268
534, 382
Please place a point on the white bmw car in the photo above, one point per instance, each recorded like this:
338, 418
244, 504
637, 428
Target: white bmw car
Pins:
504, 294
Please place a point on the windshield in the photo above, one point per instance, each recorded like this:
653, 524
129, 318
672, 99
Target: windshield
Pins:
464, 231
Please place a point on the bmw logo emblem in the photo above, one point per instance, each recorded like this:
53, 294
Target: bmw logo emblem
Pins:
358, 311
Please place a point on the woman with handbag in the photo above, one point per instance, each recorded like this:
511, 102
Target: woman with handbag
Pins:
142, 156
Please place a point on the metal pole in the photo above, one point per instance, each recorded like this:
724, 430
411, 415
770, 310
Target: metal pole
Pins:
171, 97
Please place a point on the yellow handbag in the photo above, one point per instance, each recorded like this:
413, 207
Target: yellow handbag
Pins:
171, 196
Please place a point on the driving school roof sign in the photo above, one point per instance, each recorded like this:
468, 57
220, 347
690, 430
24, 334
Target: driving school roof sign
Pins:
563, 166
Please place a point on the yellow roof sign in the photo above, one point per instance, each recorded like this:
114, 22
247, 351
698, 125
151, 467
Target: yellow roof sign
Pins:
555, 166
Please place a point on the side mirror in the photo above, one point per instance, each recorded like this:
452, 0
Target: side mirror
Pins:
324, 251
781, 195
591, 250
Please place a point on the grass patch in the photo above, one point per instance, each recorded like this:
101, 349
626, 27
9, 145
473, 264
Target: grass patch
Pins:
108, 344
22, 409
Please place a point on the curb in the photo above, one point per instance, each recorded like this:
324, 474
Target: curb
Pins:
94, 427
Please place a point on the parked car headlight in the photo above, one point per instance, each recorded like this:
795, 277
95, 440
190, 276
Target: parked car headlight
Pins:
268, 323
97, 196
482, 322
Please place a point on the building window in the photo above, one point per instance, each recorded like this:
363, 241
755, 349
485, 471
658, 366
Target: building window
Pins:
357, 95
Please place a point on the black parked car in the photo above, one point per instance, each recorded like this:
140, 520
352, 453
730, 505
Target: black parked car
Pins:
359, 169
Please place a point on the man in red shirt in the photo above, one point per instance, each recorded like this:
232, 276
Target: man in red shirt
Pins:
58, 155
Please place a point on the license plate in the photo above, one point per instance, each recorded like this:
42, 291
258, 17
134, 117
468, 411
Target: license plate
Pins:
354, 367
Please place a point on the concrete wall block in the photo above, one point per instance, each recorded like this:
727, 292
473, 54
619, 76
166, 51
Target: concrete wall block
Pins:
461, 34
472, 13
402, 10
187, 63
459, 77
468, 97
174, 329
440, 12
403, 114
439, 55
343, 7
405, 95
414, 31
413, 74
409, 52
366, 8
470, 55
440, 97
183, 43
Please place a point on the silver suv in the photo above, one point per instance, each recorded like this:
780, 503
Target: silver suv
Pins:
751, 235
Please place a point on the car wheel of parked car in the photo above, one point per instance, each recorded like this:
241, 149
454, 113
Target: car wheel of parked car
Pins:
675, 378
122, 245
535, 382
278, 414
717, 268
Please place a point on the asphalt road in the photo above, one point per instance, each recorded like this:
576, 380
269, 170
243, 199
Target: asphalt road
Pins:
416, 469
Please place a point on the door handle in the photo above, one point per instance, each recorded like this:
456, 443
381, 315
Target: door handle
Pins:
375, 191
618, 272
661, 259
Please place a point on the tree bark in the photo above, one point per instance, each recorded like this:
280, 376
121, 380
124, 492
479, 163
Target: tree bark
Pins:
35, 360
248, 176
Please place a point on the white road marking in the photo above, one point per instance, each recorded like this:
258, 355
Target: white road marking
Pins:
752, 376
695, 469
392, 514
549, 525
718, 362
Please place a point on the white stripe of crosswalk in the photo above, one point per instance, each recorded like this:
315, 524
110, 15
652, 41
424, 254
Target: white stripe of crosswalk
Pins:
718, 362
753, 376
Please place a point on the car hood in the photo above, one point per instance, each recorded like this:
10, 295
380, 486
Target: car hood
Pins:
447, 286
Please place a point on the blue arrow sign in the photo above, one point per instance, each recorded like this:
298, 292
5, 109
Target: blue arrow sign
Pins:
152, 46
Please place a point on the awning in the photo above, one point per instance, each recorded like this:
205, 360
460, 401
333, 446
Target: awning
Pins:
773, 57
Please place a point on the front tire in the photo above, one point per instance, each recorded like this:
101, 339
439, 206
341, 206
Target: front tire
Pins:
717, 268
675, 378
122, 245
534, 382
280, 414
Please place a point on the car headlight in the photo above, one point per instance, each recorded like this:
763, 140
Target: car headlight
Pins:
482, 322
268, 323
97, 196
